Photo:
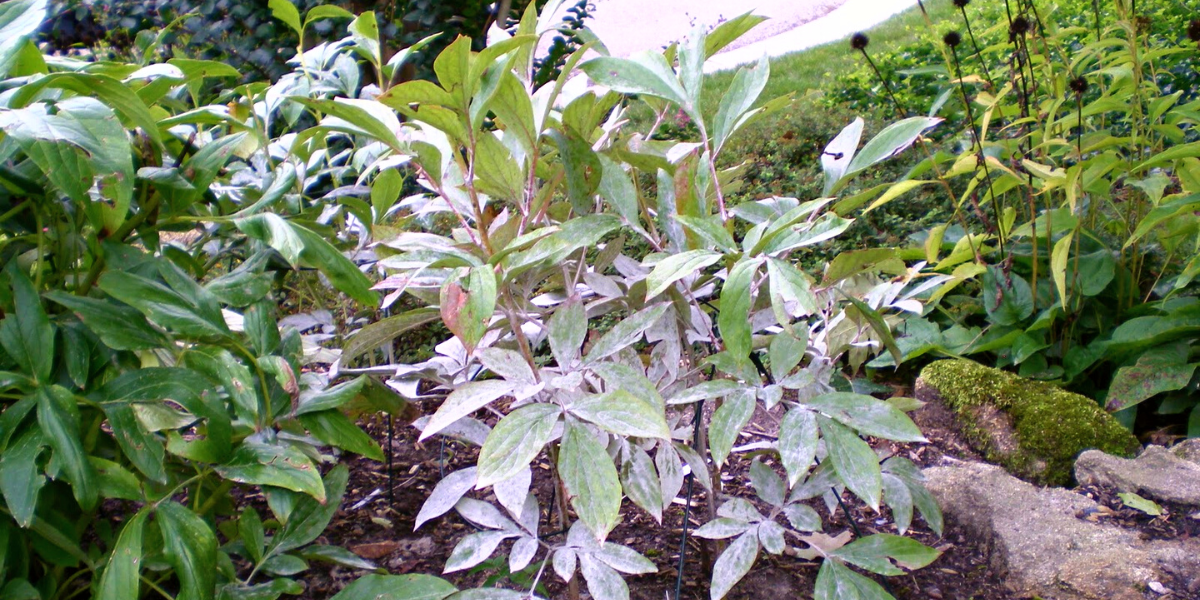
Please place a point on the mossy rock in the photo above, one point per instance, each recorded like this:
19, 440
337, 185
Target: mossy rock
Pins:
1033, 429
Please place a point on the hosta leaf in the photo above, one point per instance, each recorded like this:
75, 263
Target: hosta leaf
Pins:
622, 413
591, 479
191, 548
853, 461
515, 441
734, 563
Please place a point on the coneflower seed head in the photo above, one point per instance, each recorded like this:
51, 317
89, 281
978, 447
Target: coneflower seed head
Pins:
859, 41
961, 3
1193, 30
1079, 85
952, 39
1020, 26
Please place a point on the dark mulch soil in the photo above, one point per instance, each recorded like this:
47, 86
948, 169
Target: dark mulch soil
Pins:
378, 525
1177, 521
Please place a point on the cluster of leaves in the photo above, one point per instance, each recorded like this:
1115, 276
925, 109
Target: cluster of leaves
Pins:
544, 193
145, 382
246, 35
1072, 251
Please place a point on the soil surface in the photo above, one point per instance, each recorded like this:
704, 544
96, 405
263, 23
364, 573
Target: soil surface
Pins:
378, 525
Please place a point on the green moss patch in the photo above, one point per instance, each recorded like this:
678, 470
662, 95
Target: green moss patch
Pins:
1033, 429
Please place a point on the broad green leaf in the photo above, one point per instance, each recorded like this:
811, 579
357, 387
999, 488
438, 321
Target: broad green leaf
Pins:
21, 478
584, 170
623, 414
624, 559
898, 497
716, 388
164, 306
747, 84
868, 415
121, 577
734, 317
567, 330
729, 31
515, 441
365, 31
603, 582
721, 528
798, 437
335, 429
785, 352
446, 494
836, 158
385, 190
155, 385
646, 73
853, 262
384, 331
1137, 502
1007, 297
115, 481
27, 335
802, 517
396, 587
875, 553
336, 555
1058, 265
853, 461
1136, 383
467, 305
309, 518
250, 529
285, 11
767, 484
591, 479
734, 563
58, 417
626, 332
474, 549
304, 248
513, 107
1161, 213
463, 401
881, 327
273, 464
641, 482
676, 267
727, 422
332, 397
895, 191
710, 230
888, 143
110, 91
835, 581
791, 293
191, 548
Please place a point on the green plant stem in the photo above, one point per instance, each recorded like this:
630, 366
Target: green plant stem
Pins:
16, 210
154, 586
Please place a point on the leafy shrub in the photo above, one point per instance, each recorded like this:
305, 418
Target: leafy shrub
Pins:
543, 190
1071, 253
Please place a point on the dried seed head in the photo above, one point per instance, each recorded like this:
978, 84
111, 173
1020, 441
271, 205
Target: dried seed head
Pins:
859, 41
952, 39
1193, 30
961, 3
1079, 85
1020, 26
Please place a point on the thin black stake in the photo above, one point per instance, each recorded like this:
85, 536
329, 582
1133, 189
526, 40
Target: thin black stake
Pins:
391, 471
962, 6
687, 505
